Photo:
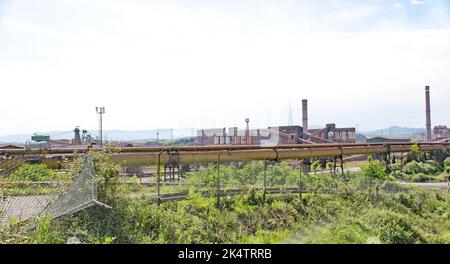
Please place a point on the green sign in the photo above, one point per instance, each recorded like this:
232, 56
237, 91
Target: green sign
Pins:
40, 138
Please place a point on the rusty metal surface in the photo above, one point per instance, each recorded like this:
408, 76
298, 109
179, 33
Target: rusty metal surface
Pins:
204, 154
207, 148
188, 157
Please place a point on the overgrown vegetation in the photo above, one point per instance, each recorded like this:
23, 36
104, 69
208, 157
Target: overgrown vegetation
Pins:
33, 172
363, 207
420, 167
33, 179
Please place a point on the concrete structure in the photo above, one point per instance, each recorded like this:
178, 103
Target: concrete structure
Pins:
441, 133
428, 135
219, 136
333, 134
286, 134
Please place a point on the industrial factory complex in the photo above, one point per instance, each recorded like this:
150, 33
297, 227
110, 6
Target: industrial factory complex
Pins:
276, 135
296, 134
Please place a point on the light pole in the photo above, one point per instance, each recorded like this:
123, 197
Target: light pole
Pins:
247, 131
100, 111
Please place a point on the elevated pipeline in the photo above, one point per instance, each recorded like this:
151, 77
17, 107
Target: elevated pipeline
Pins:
206, 154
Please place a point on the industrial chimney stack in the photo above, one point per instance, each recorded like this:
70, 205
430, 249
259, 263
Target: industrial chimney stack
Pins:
305, 115
77, 138
428, 113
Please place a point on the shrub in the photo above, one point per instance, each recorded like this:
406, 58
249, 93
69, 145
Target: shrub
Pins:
45, 233
374, 170
315, 166
419, 167
398, 214
447, 164
33, 172
394, 228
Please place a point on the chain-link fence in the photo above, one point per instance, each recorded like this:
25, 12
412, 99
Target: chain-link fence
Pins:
23, 200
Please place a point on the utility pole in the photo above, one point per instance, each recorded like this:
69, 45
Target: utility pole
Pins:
247, 131
428, 114
100, 111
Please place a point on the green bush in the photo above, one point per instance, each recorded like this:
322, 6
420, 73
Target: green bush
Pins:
374, 170
419, 167
395, 214
45, 234
33, 172
447, 165
394, 228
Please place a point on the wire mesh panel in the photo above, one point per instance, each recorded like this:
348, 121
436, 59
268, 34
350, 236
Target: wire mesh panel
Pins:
23, 207
9, 164
80, 194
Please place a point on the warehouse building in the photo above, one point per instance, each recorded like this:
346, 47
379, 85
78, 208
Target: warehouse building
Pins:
441, 133
332, 134
275, 135
383, 139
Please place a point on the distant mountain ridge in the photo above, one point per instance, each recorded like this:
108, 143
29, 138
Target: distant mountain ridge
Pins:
114, 134
164, 134
397, 131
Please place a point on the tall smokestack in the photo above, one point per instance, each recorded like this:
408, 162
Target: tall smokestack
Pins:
428, 113
77, 138
305, 115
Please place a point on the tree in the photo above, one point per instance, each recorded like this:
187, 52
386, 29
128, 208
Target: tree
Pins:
415, 151
331, 165
315, 165
447, 166
447, 163
374, 170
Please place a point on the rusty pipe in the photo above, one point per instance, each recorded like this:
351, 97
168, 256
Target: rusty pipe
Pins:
188, 157
204, 148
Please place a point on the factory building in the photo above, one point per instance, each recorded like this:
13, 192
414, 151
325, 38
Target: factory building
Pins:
441, 133
335, 135
9, 146
390, 139
277, 135
287, 134
234, 136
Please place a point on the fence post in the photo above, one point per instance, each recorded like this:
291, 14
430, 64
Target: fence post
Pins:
218, 185
300, 168
218, 175
265, 181
159, 178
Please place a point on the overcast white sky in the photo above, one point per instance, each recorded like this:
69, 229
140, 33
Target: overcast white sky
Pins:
202, 63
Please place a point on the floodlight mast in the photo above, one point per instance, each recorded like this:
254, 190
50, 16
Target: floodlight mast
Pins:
100, 111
